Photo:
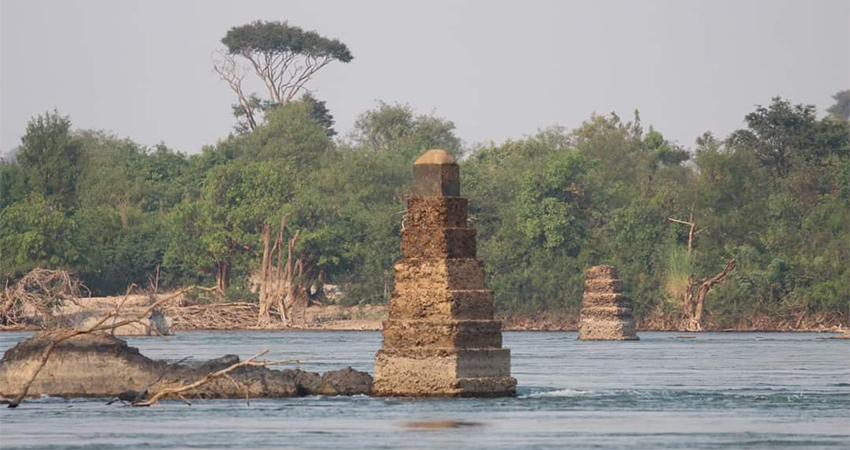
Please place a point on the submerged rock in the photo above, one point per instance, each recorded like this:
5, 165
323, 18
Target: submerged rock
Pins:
842, 335
346, 382
101, 365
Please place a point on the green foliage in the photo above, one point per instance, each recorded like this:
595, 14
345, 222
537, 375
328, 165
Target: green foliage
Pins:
36, 232
841, 108
784, 133
281, 38
395, 128
290, 135
680, 267
48, 158
554, 207
775, 196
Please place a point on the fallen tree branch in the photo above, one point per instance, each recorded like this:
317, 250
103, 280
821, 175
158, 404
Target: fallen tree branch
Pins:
179, 390
100, 325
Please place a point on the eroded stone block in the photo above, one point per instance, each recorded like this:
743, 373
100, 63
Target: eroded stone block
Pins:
433, 273
443, 373
458, 334
430, 304
438, 243
435, 212
606, 312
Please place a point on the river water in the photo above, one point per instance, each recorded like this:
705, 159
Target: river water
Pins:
715, 391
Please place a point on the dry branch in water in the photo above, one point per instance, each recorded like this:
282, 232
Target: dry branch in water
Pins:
223, 373
98, 326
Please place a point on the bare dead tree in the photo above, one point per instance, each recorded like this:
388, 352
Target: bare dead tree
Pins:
277, 282
694, 306
693, 230
229, 70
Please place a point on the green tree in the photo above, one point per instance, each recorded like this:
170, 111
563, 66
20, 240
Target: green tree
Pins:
554, 207
397, 128
841, 108
782, 133
12, 183
284, 57
36, 232
48, 157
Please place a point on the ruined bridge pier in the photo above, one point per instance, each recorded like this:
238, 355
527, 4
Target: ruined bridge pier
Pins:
440, 339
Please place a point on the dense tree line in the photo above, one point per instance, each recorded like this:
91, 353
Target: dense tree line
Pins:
775, 196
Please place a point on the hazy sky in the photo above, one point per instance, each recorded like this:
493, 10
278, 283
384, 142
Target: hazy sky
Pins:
498, 70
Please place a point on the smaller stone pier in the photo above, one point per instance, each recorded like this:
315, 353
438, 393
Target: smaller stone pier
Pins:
606, 313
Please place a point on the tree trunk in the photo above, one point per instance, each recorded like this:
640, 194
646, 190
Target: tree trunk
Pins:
221, 276
264, 318
694, 306
270, 276
278, 286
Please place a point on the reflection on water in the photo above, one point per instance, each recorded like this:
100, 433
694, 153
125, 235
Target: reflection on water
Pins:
717, 390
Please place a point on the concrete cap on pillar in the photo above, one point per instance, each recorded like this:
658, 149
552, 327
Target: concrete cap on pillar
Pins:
436, 173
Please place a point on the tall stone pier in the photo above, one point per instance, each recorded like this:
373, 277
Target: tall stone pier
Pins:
440, 339
606, 313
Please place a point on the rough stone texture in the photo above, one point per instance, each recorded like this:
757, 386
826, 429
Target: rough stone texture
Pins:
606, 312
441, 242
101, 365
347, 382
436, 212
427, 304
444, 372
448, 334
439, 274
440, 339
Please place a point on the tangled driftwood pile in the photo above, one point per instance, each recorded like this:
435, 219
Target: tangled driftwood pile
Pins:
39, 293
214, 316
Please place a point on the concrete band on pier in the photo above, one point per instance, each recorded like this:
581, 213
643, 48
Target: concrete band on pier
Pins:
440, 339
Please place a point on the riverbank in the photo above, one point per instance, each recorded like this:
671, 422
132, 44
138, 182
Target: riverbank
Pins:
182, 314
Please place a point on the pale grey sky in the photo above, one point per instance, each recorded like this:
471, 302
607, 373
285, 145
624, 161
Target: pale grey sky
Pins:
498, 70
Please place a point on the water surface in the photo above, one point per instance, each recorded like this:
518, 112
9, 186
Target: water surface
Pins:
717, 391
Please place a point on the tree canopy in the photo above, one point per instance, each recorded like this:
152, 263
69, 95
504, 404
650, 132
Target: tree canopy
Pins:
284, 57
775, 196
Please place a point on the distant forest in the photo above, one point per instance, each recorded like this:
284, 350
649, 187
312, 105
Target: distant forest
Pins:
775, 196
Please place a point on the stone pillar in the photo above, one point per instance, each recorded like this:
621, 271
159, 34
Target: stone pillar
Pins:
440, 339
606, 313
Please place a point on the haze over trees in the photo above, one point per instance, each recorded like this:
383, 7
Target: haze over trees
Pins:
774, 196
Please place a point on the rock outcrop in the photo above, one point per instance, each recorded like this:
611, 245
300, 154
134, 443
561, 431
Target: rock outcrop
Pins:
606, 312
101, 365
440, 339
